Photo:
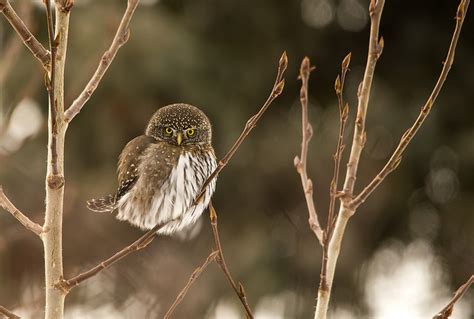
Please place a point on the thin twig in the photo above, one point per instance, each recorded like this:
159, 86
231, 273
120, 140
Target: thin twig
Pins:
240, 291
194, 276
301, 162
67, 284
343, 115
53, 107
25, 221
334, 244
251, 123
7, 313
121, 37
38, 50
407, 137
447, 311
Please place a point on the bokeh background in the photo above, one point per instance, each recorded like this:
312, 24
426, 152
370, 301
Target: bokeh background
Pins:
410, 245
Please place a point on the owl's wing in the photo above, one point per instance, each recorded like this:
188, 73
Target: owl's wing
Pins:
129, 160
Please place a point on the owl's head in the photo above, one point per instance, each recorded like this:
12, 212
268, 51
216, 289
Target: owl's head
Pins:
180, 124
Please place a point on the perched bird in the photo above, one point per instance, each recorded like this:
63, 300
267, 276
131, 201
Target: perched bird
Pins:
161, 173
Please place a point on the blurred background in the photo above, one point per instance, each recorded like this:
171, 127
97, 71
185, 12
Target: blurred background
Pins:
410, 245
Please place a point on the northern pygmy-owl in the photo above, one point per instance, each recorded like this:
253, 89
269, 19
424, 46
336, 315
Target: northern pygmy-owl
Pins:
161, 173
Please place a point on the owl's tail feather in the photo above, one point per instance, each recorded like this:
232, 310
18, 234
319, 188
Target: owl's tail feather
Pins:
106, 204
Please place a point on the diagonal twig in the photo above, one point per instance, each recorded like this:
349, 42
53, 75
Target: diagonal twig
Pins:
447, 311
38, 50
121, 37
300, 162
25, 221
407, 137
251, 123
7, 313
194, 276
67, 284
240, 291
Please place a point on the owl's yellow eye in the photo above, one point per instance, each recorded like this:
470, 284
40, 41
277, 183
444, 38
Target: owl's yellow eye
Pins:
168, 131
190, 132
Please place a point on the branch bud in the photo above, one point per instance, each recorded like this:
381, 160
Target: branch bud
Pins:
337, 85
278, 88
283, 63
346, 61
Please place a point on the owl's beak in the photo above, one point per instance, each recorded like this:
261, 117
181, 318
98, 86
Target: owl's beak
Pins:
179, 138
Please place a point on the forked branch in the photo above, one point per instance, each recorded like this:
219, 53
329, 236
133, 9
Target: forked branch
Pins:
121, 37
36, 48
396, 157
447, 311
301, 162
334, 244
15, 212
240, 291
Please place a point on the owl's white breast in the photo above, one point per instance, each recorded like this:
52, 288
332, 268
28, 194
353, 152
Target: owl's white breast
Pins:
173, 202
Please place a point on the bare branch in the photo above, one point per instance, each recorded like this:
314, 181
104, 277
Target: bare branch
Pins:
447, 311
7, 313
343, 115
301, 162
121, 37
194, 276
67, 284
251, 123
53, 238
25, 221
396, 157
240, 291
39, 52
334, 244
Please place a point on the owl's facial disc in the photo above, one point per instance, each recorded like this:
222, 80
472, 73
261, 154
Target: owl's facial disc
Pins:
180, 124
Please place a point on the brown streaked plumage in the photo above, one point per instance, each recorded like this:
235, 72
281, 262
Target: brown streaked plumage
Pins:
160, 173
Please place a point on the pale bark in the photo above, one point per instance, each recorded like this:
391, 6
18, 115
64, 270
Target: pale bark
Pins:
52, 238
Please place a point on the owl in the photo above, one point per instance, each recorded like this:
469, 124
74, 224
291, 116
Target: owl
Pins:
161, 173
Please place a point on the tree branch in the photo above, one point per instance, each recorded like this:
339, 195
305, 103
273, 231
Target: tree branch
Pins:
447, 311
396, 157
7, 313
240, 291
301, 162
343, 115
15, 212
53, 238
194, 276
121, 37
334, 244
251, 123
67, 284
39, 52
